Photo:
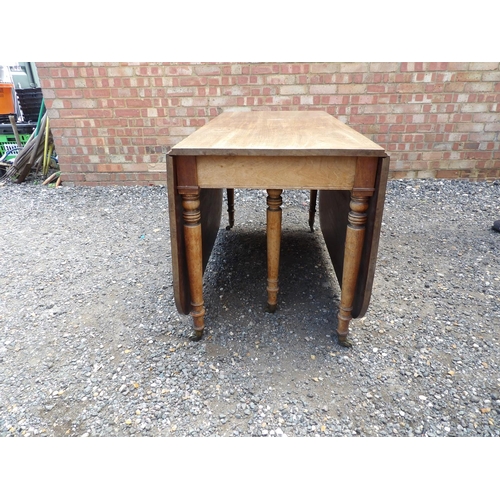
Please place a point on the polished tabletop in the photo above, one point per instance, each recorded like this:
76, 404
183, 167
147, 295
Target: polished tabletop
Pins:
277, 133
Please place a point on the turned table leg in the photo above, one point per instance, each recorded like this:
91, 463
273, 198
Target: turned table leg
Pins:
352, 258
312, 208
230, 207
274, 201
192, 237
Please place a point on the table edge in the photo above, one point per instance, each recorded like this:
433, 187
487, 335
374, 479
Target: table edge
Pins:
278, 152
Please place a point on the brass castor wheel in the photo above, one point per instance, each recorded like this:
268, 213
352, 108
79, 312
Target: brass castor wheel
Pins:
196, 335
344, 342
271, 308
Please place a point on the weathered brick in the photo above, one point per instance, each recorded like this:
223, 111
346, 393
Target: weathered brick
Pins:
377, 89
182, 131
149, 71
120, 71
100, 113
294, 68
410, 88
492, 127
469, 76
436, 66
110, 167
293, 89
180, 91
363, 99
127, 113
424, 77
178, 70
323, 89
72, 113
138, 103
491, 76
83, 103
280, 79
263, 69
192, 81
351, 89
475, 108
412, 66
384, 67
378, 109
479, 87
364, 119
122, 109
484, 66
354, 67
330, 68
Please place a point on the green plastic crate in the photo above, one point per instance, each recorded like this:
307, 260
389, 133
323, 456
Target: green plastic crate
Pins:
8, 142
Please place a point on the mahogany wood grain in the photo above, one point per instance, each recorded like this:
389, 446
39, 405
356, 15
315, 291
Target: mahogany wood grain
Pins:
211, 210
372, 237
364, 179
273, 229
333, 212
355, 234
186, 170
177, 245
194, 257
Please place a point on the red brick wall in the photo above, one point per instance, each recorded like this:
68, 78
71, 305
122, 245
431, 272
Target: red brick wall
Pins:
114, 122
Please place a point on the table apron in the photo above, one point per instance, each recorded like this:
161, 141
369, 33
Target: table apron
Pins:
277, 172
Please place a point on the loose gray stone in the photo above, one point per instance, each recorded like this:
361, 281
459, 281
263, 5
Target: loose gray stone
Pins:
91, 342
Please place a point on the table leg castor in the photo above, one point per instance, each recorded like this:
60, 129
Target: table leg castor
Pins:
343, 341
196, 335
271, 308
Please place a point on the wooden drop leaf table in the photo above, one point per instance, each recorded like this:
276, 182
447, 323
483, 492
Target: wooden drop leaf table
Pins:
275, 151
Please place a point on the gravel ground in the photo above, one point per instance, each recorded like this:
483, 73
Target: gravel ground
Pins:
91, 343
